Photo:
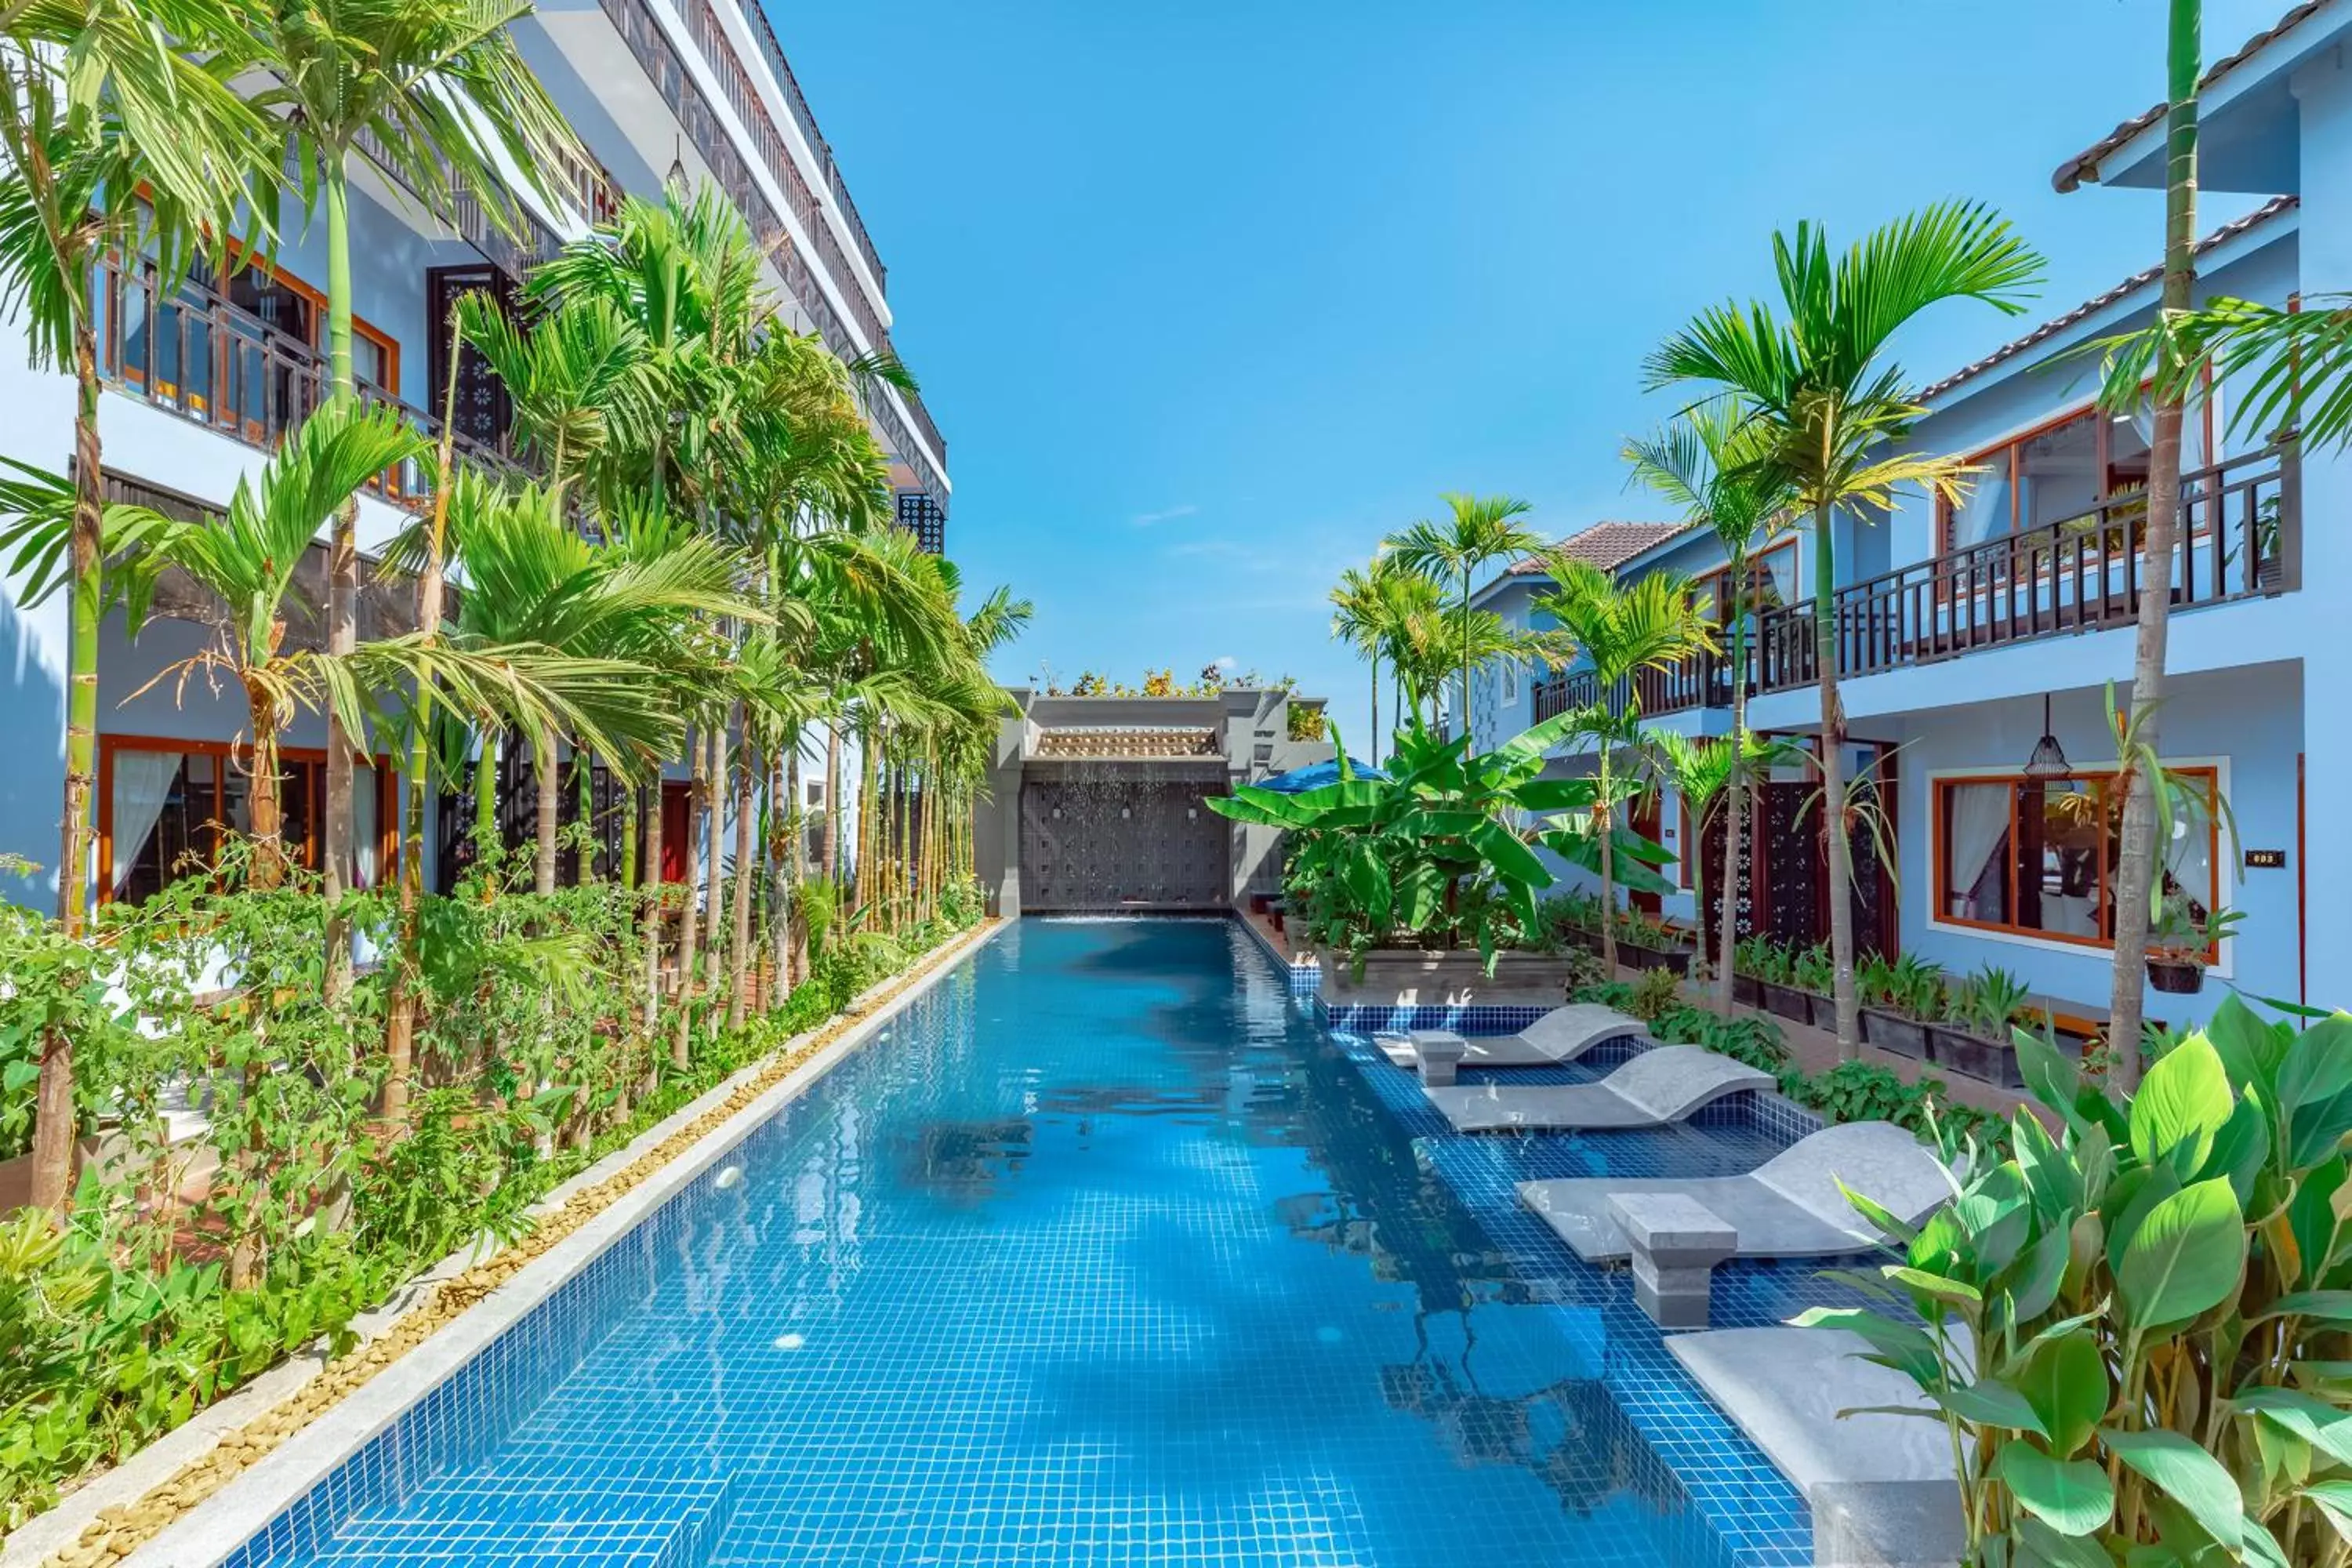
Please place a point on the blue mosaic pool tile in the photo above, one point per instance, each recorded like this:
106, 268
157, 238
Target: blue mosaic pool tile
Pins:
1105, 1252
1468, 1018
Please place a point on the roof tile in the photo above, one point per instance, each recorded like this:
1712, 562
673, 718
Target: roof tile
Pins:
1607, 546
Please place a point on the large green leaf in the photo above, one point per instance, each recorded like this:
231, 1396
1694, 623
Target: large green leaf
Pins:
2317, 1423
1988, 1403
2251, 1047
2314, 1220
2335, 1500
2187, 1474
2185, 1256
1549, 795
2066, 1380
2182, 1102
2072, 1497
1512, 860
2315, 1093
1906, 1347
2331, 1306
2039, 1546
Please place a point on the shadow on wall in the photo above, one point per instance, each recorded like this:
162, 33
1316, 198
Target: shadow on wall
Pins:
33, 762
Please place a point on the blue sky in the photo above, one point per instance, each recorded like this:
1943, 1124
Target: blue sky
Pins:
1207, 296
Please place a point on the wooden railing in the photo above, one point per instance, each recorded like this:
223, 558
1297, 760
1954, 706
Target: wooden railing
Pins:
2241, 521
193, 354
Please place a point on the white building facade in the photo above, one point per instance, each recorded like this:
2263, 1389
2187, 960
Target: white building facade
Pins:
1967, 633
204, 381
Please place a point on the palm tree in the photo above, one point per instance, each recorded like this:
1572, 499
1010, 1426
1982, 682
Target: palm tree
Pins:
1831, 414
1479, 530
1704, 463
434, 91
1647, 623
1371, 607
1702, 773
2136, 868
143, 147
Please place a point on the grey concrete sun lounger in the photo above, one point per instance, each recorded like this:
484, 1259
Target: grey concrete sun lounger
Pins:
1789, 1207
1560, 1035
1664, 1084
1880, 1486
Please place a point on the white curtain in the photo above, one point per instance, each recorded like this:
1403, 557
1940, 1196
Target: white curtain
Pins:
142, 782
1979, 821
363, 827
1983, 512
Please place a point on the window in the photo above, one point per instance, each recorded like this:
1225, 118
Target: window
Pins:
2059, 471
1772, 583
2037, 857
163, 805
1511, 681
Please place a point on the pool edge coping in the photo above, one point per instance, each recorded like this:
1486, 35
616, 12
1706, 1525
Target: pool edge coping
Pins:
247, 1503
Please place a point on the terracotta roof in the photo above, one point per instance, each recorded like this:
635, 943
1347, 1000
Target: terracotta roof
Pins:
2098, 302
1604, 544
2083, 165
1069, 742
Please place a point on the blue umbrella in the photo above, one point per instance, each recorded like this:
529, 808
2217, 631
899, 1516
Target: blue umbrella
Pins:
1315, 775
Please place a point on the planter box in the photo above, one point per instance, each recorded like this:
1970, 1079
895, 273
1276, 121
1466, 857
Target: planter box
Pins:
1895, 1032
1973, 1055
1409, 977
1824, 1012
1787, 1001
1633, 956
1747, 990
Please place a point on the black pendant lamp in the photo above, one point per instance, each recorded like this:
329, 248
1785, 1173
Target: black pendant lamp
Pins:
2049, 758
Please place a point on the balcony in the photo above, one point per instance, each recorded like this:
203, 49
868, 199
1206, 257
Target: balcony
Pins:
2242, 519
191, 352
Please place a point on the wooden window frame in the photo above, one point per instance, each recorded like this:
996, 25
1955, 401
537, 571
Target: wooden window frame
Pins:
1940, 786
387, 798
2013, 447
1708, 582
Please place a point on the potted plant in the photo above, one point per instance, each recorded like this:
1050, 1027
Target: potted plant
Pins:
1750, 956
1814, 973
1973, 1036
1896, 1009
1776, 984
1645, 943
2180, 946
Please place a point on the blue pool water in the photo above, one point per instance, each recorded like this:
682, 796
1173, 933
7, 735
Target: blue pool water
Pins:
1105, 1253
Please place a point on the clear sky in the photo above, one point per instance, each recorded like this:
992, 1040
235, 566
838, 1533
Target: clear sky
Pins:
1207, 296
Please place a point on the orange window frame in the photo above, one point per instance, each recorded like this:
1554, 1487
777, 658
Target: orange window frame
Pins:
1940, 867
2010, 449
362, 328
1759, 573
108, 746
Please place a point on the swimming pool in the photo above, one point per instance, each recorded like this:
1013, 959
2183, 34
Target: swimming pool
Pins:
1104, 1252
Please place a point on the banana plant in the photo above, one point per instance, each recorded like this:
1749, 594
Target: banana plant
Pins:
2138, 1330
1443, 848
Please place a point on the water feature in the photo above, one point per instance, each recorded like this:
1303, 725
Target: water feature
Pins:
1104, 1252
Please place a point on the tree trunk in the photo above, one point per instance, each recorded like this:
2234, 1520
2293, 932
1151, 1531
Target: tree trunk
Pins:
343, 595
697, 795
487, 847
714, 960
1832, 759
543, 767
400, 1026
55, 1122
1735, 798
1606, 811
796, 959
834, 857
267, 811
651, 883
2136, 883
738, 1001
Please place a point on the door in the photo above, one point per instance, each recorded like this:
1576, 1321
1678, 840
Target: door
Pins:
483, 411
1643, 818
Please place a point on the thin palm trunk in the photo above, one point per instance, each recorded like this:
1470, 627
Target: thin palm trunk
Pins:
1832, 762
697, 798
1734, 794
342, 588
2135, 883
650, 881
1607, 808
549, 782
788, 915
868, 871
400, 1027
1372, 736
486, 809
746, 780
714, 959
834, 863
55, 1122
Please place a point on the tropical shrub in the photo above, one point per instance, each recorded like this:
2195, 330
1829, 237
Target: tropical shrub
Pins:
1657, 993
1439, 852
2139, 1332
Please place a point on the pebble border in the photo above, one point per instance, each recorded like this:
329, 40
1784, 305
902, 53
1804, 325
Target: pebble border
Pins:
123, 1528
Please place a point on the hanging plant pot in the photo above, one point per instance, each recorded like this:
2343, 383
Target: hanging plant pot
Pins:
2176, 976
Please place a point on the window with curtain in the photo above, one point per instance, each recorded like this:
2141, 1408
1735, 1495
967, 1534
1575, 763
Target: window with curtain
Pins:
2063, 470
2037, 857
167, 804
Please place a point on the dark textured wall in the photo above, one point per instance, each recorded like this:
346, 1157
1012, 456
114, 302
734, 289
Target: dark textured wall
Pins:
1105, 839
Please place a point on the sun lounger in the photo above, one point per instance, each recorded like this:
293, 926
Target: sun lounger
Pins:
1664, 1084
1880, 1485
1560, 1035
1789, 1207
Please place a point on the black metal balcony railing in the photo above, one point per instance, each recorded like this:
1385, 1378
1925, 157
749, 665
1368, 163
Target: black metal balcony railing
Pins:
797, 100
2241, 521
192, 352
